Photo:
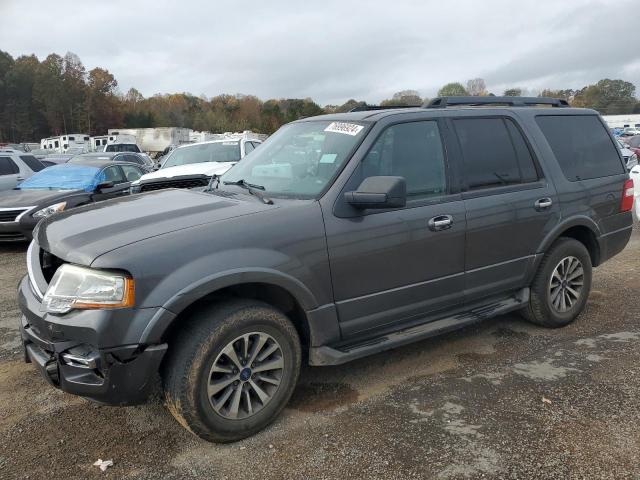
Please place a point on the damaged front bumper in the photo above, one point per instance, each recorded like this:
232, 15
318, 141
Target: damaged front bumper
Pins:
69, 360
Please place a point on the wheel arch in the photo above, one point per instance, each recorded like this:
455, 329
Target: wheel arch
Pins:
279, 290
582, 229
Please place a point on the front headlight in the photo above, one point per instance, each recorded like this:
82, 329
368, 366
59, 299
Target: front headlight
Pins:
50, 210
85, 288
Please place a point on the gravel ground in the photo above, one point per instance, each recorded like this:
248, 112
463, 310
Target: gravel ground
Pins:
501, 400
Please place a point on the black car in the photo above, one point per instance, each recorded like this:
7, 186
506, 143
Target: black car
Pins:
342, 236
61, 187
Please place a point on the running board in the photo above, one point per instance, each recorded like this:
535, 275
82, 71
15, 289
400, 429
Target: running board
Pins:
326, 355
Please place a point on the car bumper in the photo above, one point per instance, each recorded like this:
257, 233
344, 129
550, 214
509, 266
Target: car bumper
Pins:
21, 231
70, 357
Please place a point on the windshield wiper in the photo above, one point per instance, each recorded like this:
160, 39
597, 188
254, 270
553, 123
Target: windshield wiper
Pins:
251, 187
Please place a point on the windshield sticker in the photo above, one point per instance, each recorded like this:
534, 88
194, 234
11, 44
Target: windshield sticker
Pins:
346, 128
328, 158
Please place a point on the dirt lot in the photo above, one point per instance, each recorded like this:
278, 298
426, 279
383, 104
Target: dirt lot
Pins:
501, 400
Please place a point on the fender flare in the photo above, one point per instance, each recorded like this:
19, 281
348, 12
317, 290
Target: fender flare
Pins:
578, 221
200, 289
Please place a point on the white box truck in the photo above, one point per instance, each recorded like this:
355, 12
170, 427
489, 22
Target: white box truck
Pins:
155, 140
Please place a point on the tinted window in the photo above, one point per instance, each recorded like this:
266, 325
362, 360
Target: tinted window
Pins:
7, 166
112, 174
494, 153
248, 147
32, 162
413, 151
581, 145
122, 147
131, 173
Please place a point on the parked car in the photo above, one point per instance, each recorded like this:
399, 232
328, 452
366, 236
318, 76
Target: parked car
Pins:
628, 156
632, 143
61, 188
630, 131
15, 166
343, 235
143, 160
193, 165
635, 176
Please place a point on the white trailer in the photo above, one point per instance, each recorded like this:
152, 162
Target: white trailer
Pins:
98, 142
69, 141
155, 140
622, 121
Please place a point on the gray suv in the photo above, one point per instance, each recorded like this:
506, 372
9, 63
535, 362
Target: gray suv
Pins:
342, 236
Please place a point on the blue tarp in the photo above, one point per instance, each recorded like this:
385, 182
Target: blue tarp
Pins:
63, 177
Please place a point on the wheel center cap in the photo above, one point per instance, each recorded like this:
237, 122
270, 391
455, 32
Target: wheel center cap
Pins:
245, 374
564, 283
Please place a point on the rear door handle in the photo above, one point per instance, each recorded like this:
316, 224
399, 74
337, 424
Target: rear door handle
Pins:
543, 204
441, 222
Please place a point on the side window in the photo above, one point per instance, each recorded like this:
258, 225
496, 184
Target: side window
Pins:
494, 153
8, 166
56, 143
582, 146
413, 151
248, 147
255, 144
112, 174
131, 173
32, 162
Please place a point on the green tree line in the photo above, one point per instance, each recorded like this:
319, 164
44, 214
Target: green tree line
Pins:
58, 95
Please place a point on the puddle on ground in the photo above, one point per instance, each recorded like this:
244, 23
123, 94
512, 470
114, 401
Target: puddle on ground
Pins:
316, 397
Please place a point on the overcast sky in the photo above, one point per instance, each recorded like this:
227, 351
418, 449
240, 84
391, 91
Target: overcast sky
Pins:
330, 50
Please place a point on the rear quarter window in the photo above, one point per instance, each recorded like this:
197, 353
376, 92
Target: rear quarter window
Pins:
582, 146
32, 162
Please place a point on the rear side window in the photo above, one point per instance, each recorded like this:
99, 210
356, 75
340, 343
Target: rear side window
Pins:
32, 162
494, 153
581, 145
8, 166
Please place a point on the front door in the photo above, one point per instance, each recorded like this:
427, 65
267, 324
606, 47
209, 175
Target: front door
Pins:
121, 185
390, 268
9, 174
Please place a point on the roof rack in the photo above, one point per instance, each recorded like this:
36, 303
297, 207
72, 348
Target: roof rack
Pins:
365, 108
444, 102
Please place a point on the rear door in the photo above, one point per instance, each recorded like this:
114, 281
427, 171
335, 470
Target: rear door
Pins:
390, 268
9, 173
510, 204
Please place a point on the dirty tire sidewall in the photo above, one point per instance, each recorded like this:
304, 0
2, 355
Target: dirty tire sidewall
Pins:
225, 324
539, 310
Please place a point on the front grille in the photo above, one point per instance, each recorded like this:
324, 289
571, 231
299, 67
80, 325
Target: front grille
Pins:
12, 236
11, 215
49, 263
178, 183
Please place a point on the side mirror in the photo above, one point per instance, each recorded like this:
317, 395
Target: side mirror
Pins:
104, 186
379, 192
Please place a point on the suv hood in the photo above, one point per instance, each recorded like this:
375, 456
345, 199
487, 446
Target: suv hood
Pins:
84, 233
206, 168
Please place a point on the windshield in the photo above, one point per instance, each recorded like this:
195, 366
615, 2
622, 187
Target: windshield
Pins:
204, 152
300, 159
122, 147
62, 177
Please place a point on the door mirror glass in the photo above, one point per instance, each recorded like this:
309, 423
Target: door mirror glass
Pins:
104, 186
379, 192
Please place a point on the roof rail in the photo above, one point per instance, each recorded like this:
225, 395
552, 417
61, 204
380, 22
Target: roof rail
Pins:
444, 102
365, 108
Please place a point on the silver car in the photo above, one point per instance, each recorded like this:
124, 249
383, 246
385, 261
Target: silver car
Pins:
16, 166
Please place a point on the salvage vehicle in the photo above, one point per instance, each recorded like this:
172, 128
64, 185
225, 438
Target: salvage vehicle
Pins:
342, 236
193, 165
131, 157
15, 166
629, 157
60, 188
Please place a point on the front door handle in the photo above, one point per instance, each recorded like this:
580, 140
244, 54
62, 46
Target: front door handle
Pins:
441, 222
543, 204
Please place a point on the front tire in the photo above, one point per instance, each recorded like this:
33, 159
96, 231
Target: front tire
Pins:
232, 370
561, 286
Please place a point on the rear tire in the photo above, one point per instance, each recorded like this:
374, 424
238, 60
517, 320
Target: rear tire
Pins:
232, 370
561, 286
